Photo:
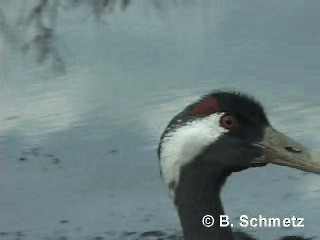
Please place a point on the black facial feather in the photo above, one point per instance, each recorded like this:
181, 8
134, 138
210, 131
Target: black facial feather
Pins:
248, 111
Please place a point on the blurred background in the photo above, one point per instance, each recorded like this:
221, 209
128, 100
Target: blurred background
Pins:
87, 87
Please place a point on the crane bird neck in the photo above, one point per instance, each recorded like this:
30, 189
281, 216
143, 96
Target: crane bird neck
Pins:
182, 144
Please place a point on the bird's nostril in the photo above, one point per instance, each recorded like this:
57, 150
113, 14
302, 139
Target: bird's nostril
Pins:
293, 149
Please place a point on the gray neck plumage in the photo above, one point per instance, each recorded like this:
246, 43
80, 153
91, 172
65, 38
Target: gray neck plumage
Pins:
197, 195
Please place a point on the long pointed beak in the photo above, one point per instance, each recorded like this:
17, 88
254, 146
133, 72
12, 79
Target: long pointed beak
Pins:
282, 150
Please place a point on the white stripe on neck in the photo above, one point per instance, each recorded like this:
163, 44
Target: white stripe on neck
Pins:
183, 144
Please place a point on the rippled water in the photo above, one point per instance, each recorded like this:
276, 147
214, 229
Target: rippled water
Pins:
78, 150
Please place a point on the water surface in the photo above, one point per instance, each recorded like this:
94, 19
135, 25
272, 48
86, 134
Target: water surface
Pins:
78, 149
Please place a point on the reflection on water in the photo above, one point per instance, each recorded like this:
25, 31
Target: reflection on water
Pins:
78, 150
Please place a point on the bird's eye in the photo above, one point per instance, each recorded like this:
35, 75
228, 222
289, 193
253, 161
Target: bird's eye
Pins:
229, 122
